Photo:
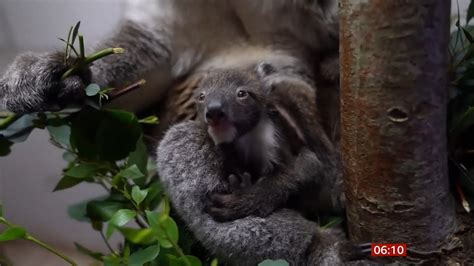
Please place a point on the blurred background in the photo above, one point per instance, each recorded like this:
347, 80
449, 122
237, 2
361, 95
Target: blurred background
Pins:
29, 174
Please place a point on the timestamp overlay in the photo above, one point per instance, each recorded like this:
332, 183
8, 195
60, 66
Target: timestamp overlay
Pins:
388, 250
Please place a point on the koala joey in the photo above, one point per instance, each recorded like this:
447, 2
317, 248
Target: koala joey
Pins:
268, 133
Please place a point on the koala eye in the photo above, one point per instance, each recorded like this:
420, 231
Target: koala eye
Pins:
242, 94
201, 97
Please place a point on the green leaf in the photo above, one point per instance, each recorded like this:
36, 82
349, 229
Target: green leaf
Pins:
154, 196
332, 222
103, 210
78, 211
68, 51
139, 157
131, 172
107, 135
93, 254
149, 120
112, 261
465, 121
83, 170
164, 207
468, 35
214, 262
470, 12
60, 134
274, 263
12, 233
69, 156
119, 127
92, 89
143, 256
164, 227
120, 218
138, 236
20, 129
138, 195
75, 32
1, 209
5, 146
189, 261
67, 182
173, 261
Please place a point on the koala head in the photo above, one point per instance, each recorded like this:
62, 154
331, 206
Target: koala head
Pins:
231, 103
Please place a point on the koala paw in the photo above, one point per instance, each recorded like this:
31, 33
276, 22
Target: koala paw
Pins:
33, 83
244, 200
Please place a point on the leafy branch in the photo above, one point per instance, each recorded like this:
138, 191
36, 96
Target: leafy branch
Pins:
14, 232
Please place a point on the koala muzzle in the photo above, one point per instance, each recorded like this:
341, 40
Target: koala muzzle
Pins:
215, 112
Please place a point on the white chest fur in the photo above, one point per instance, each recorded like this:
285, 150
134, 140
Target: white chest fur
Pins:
260, 146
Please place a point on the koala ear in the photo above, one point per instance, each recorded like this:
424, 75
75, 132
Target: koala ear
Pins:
264, 69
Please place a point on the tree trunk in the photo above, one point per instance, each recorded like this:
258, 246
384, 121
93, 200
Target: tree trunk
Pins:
393, 113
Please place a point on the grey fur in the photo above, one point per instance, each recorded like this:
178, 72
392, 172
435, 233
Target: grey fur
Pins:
189, 176
278, 141
160, 36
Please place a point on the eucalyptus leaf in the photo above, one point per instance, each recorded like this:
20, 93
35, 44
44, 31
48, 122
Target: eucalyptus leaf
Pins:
12, 233
153, 120
164, 227
143, 256
154, 196
118, 134
470, 12
5, 146
120, 218
189, 261
60, 134
108, 135
20, 129
69, 156
131, 172
92, 89
144, 236
78, 211
112, 261
139, 157
67, 182
468, 36
103, 210
83, 170
75, 32
138, 195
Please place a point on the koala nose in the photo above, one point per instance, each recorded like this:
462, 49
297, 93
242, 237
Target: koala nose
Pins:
214, 111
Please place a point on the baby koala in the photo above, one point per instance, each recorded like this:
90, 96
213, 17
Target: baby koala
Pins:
275, 151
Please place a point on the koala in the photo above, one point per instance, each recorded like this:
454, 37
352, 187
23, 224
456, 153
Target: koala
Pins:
166, 41
263, 131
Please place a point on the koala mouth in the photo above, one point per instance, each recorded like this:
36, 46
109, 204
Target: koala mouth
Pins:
222, 131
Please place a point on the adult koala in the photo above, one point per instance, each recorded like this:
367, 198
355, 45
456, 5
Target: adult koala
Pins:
170, 40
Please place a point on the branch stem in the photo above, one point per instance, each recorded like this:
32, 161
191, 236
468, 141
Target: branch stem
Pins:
49, 248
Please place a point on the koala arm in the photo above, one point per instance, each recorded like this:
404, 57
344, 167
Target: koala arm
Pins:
32, 82
189, 168
269, 193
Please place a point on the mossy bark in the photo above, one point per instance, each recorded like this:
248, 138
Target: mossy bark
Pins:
393, 112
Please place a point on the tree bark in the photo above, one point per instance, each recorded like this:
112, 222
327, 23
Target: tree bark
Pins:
393, 113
